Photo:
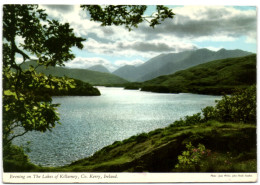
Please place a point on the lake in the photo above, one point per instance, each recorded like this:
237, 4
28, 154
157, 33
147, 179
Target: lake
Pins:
90, 123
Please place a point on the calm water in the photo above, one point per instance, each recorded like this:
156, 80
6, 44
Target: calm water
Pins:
90, 123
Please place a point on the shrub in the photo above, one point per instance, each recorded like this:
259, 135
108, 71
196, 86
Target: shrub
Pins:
191, 160
141, 137
239, 107
189, 120
209, 113
194, 119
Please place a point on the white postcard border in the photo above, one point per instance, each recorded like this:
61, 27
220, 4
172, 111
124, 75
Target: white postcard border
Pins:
127, 177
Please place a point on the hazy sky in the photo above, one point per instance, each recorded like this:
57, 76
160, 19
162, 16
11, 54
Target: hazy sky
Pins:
212, 27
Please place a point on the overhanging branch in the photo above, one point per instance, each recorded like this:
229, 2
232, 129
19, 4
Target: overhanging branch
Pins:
9, 140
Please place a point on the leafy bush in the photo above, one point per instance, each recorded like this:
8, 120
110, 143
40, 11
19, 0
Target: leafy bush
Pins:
209, 113
189, 120
191, 159
239, 107
194, 119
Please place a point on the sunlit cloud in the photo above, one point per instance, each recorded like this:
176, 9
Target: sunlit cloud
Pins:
82, 62
120, 63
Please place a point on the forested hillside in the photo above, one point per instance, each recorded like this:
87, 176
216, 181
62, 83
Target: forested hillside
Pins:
216, 77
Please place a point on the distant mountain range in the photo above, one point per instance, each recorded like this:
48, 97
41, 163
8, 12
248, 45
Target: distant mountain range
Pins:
99, 68
165, 64
89, 76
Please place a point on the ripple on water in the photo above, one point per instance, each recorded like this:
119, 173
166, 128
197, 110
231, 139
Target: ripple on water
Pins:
90, 123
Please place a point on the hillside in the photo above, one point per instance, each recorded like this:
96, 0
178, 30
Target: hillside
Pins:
92, 77
215, 77
165, 64
99, 68
81, 89
128, 72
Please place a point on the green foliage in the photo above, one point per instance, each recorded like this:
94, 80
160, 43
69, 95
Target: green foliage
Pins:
141, 137
14, 160
127, 15
133, 86
188, 120
239, 107
201, 159
209, 113
191, 159
49, 41
76, 88
228, 162
137, 138
194, 119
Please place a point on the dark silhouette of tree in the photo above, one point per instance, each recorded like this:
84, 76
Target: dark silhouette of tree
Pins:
128, 15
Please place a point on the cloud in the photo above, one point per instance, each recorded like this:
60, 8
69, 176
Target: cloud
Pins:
120, 63
61, 8
84, 63
214, 48
146, 47
18, 59
133, 48
211, 21
191, 24
72, 14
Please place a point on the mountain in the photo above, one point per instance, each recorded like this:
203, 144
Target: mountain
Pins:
99, 68
215, 77
92, 77
165, 64
127, 72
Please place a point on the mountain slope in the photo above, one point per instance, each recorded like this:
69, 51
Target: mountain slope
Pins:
216, 77
92, 77
165, 64
128, 72
99, 68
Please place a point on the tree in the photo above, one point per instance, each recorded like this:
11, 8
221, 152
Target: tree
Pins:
50, 41
127, 15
